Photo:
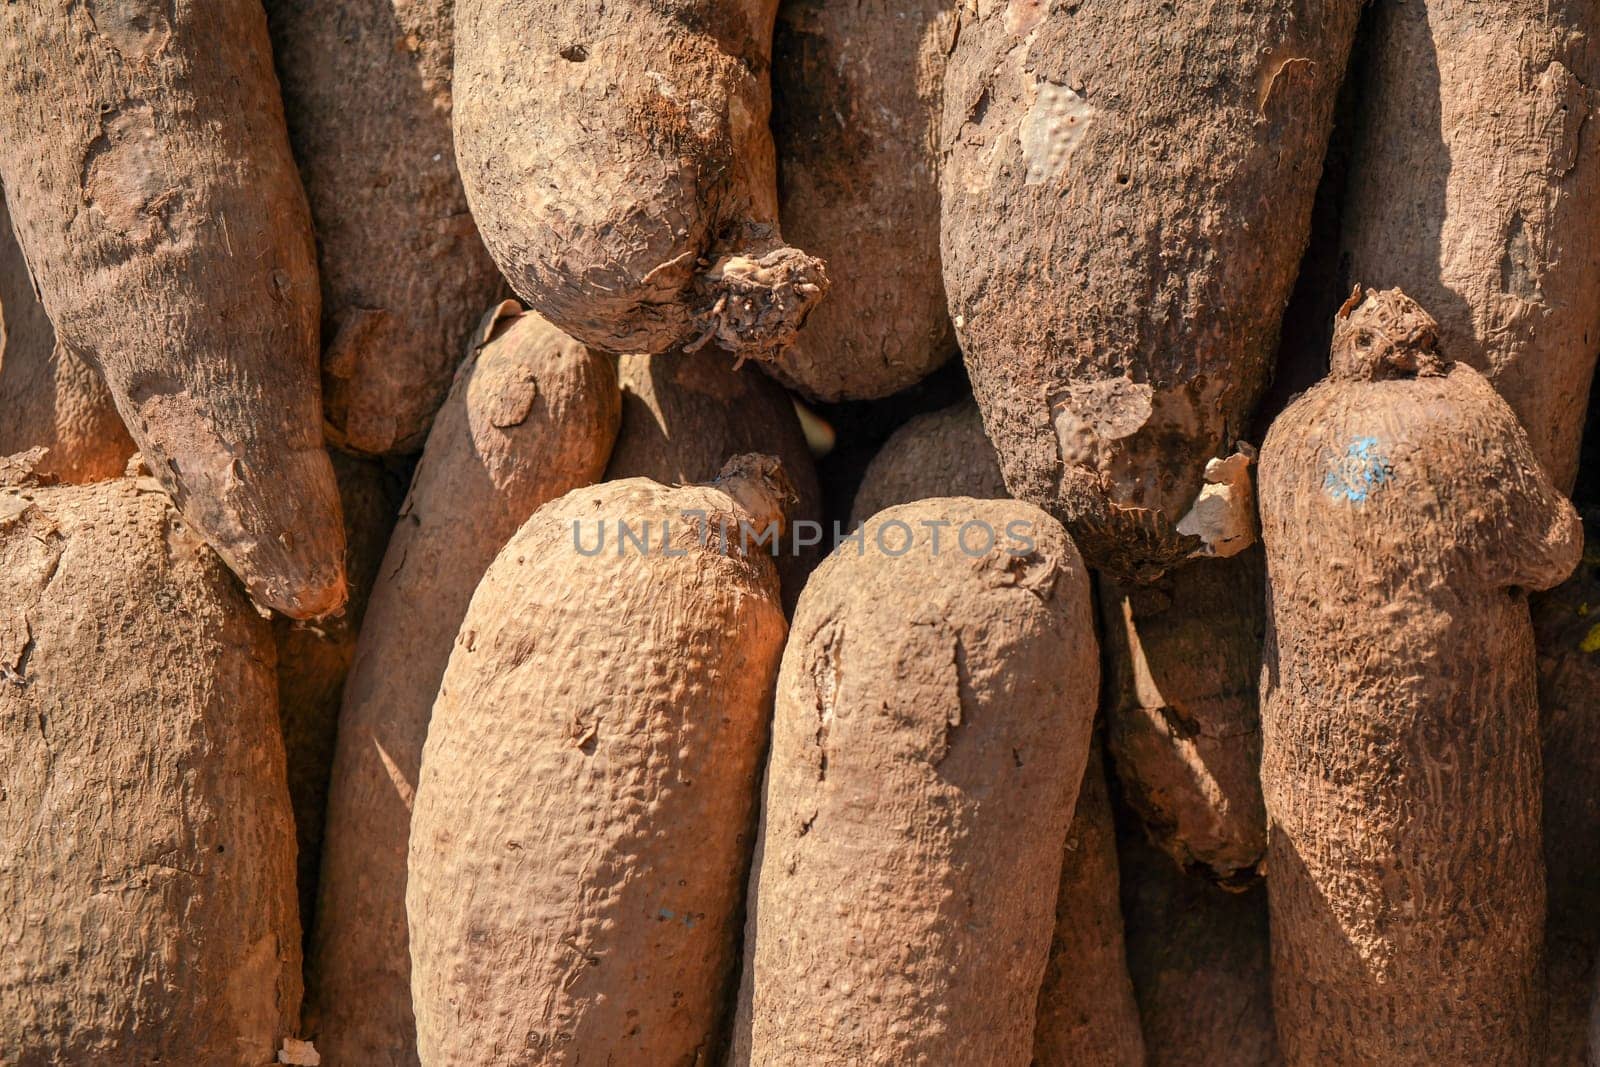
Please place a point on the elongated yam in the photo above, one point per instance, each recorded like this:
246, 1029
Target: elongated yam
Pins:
1183, 664
1475, 186
146, 841
366, 91
144, 157
1566, 633
856, 103
1404, 514
942, 453
617, 157
588, 791
1127, 186
1199, 960
532, 414
685, 416
48, 397
932, 726
1087, 1014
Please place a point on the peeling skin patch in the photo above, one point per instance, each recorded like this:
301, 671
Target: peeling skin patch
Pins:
1087, 414
1281, 73
1224, 514
1023, 15
1052, 130
1360, 472
137, 29
128, 182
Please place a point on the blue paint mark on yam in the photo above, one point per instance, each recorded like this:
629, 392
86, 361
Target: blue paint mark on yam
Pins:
1360, 472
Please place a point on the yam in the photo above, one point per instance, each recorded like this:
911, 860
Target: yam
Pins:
933, 719
1474, 187
856, 102
1126, 189
942, 453
49, 398
617, 157
144, 157
366, 91
1404, 515
146, 841
583, 823
531, 415
1183, 665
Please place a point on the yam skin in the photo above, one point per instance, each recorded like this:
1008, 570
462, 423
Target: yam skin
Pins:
932, 728
617, 157
532, 415
366, 91
144, 157
1200, 963
146, 840
942, 453
583, 823
856, 105
1404, 515
1566, 633
314, 658
1183, 667
1127, 187
684, 416
1475, 186
48, 397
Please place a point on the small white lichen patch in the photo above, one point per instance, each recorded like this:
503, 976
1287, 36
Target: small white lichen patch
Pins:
1224, 515
1052, 130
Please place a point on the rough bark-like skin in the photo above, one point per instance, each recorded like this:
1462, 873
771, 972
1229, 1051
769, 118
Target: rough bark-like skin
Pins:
366, 90
146, 841
856, 104
1475, 186
1127, 186
1404, 514
49, 397
532, 415
1087, 1014
942, 453
932, 726
685, 416
313, 659
143, 153
1200, 964
1183, 666
583, 823
617, 157
1566, 633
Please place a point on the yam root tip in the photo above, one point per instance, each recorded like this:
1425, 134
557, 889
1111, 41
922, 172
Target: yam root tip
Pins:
756, 305
1384, 334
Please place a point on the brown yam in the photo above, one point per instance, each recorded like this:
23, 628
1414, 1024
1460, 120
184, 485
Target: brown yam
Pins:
48, 397
617, 157
1127, 187
532, 414
146, 840
1475, 186
1183, 666
143, 153
932, 727
942, 453
583, 824
366, 91
856, 101
1404, 514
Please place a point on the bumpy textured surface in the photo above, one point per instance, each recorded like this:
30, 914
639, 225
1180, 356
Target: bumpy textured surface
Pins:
1087, 1016
1199, 959
932, 726
146, 843
366, 90
617, 157
684, 416
1127, 187
1183, 663
1566, 632
143, 153
856, 102
1475, 186
48, 397
314, 657
942, 453
583, 825
532, 415
1404, 515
